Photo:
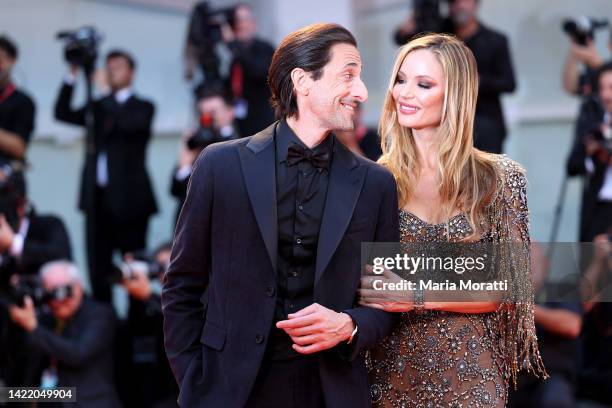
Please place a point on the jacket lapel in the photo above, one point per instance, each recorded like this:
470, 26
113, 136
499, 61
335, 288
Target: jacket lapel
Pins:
258, 167
345, 182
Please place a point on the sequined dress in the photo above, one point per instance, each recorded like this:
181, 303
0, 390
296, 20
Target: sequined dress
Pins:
445, 359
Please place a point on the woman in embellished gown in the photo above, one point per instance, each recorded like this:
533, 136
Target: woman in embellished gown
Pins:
451, 354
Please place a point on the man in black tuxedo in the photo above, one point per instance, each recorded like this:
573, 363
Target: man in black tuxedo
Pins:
144, 377
259, 299
591, 156
216, 124
75, 341
124, 199
251, 58
27, 239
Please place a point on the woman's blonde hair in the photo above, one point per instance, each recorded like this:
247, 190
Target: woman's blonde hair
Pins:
467, 176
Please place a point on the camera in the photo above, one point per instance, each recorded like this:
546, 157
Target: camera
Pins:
212, 19
205, 34
205, 135
142, 265
81, 46
583, 29
31, 286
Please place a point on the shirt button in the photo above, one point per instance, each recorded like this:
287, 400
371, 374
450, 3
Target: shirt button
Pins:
294, 273
298, 241
270, 291
259, 339
291, 306
300, 207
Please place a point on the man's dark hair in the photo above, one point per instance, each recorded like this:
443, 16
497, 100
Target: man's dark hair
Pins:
204, 91
9, 47
308, 48
606, 67
122, 54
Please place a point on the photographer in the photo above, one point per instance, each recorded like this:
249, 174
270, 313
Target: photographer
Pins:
217, 124
76, 337
494, 64
591, 157
236, 28
248, 71
27, 241
574, 81
124, 199
148, 380
583, 59
16, 108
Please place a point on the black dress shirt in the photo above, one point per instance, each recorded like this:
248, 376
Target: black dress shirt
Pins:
300, 190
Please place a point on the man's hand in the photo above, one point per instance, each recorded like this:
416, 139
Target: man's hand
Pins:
603, 248
587, 54
186, 156
227, 33
6, 234
379, 296
24, 316
74, 69
138, 287
591, 146
316, 328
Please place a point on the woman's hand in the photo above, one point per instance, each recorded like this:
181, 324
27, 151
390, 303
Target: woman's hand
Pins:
384, 292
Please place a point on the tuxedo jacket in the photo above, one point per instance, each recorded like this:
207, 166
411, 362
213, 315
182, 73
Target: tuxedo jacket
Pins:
123, 131
218, 295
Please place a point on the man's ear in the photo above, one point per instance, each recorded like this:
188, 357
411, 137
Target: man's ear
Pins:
301, 81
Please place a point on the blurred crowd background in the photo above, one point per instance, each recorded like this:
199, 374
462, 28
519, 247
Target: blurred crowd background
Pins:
91, 182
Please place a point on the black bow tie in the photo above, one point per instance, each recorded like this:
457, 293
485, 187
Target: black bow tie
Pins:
318, 158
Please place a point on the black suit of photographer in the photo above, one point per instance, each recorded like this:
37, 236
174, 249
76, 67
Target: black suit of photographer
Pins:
83, 353
496, 76
248, 80
125, 204
46, 240
596, 215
